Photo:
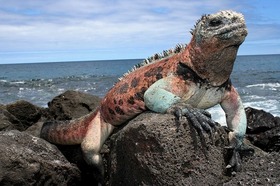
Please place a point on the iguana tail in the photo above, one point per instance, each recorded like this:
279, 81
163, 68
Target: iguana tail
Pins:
69, 132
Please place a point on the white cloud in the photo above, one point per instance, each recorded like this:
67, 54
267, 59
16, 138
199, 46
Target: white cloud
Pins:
113, 25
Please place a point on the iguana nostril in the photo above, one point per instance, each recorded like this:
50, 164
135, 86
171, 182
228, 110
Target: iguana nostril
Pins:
234, 19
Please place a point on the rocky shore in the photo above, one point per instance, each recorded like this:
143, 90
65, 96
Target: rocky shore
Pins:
150, 150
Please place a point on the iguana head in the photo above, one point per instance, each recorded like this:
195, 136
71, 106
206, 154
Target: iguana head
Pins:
213, 48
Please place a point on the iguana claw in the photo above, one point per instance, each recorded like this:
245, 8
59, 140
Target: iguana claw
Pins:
199, 118
236, 150
235, 160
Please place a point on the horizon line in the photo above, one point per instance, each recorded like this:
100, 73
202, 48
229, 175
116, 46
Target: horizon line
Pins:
97, 60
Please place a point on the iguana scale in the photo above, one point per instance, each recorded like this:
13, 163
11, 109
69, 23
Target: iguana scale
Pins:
182, 81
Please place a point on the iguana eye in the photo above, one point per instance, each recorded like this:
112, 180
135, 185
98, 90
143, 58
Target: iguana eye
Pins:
215, 22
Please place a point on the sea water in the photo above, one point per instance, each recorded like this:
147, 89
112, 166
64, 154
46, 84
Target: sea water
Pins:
256, 77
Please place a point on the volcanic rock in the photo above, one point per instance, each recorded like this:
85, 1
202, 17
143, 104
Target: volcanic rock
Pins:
153, 150
25, 112
263, 130
72, 104
9, 121
28, 160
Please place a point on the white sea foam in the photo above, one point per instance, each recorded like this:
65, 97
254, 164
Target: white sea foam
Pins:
271, 106
17, 82
270, 86
254, 97
218, 114
60, 90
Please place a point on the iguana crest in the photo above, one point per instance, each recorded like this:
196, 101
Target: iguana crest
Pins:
165, 54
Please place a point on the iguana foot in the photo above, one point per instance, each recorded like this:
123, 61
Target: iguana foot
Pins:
235, 160
199, 118
236, 149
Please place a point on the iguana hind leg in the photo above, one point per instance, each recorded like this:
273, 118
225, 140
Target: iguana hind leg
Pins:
98, 132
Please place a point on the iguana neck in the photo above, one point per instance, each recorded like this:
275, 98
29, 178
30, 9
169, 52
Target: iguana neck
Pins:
209, 62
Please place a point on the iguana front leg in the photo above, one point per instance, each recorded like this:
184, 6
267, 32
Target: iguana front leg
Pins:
169, 95
237, 124
159, 98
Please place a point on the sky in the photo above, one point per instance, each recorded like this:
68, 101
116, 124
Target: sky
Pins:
70, 30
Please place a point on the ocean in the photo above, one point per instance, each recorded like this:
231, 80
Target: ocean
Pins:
256, 77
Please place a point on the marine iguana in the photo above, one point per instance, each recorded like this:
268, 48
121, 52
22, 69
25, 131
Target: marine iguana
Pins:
183, 81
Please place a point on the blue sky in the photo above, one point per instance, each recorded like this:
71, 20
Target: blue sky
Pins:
71, 30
